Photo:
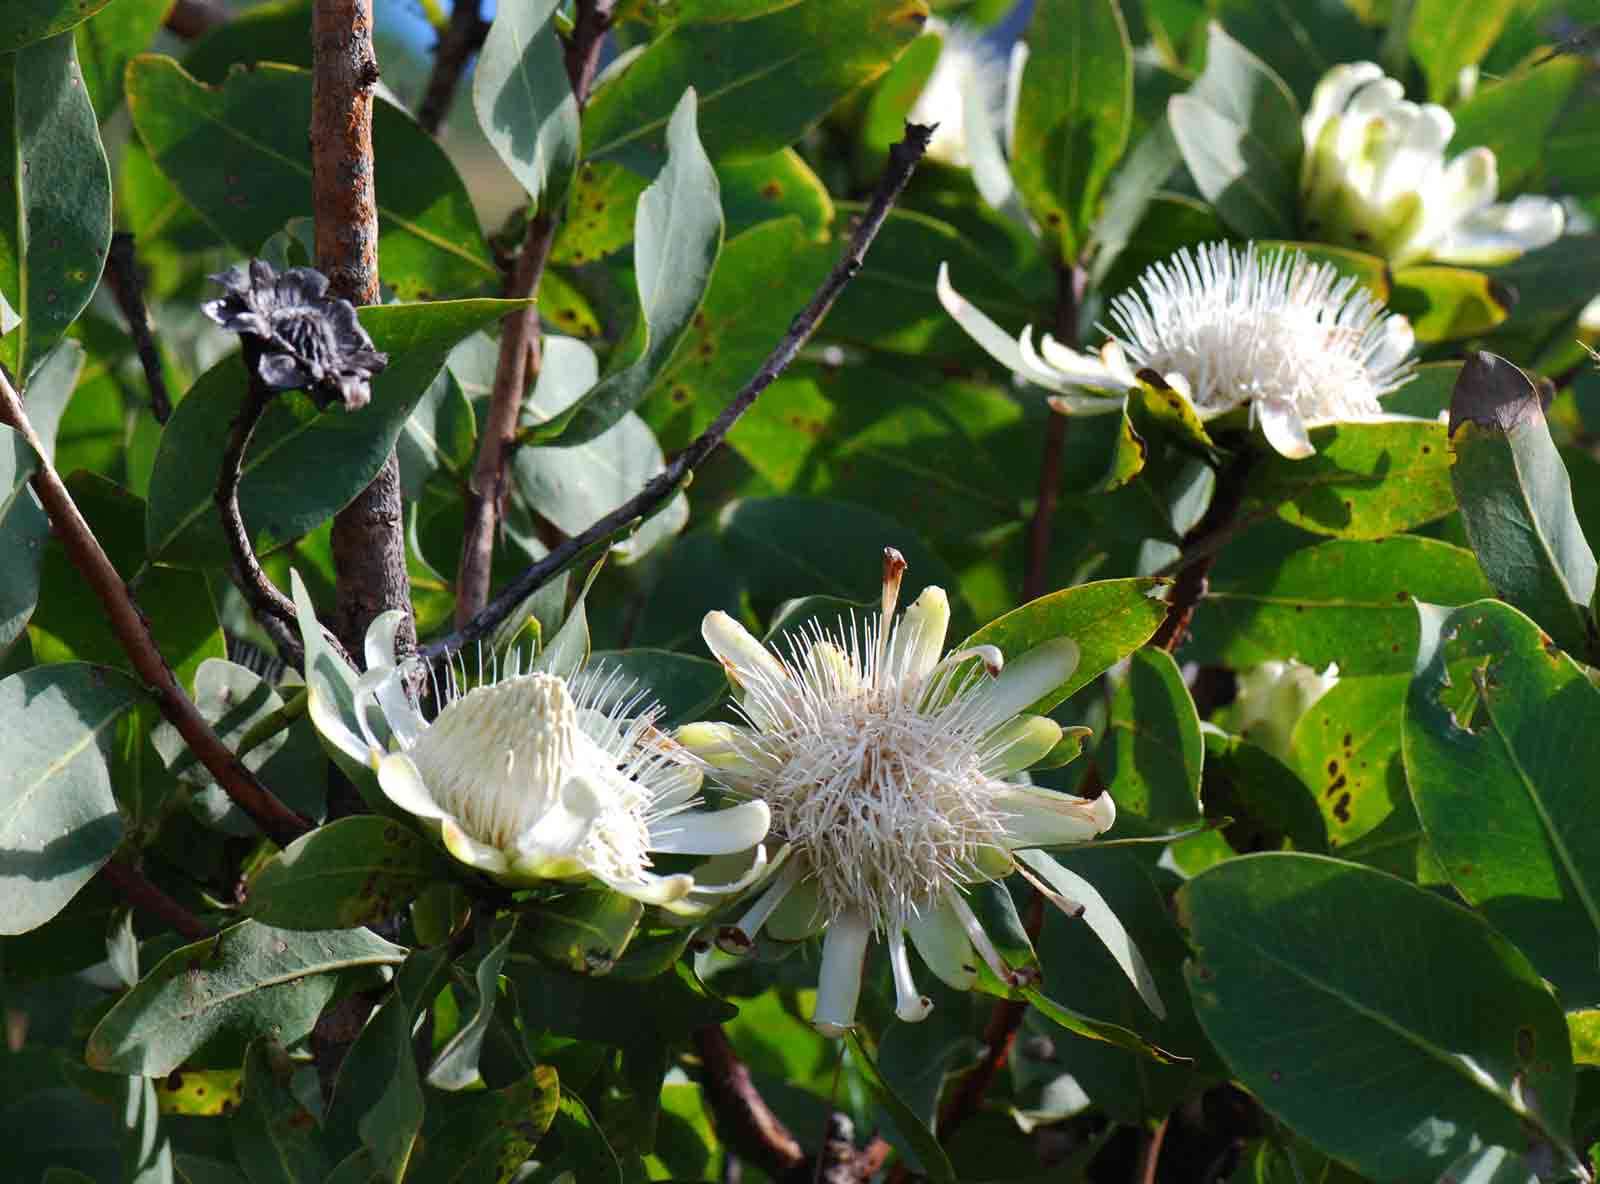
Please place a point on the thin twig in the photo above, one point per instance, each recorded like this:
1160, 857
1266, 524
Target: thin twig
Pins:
520, 349
747, 1123
903, 158
1200, 549
122, 273
1070, 282
134, 887
1152, 1152
461, 38
275, 819
263, 596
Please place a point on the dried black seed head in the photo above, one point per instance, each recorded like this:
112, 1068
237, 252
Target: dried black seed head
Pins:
295, 336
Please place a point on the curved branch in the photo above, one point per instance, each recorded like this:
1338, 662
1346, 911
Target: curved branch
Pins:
462, 38
242, 786
903, 158
134, 887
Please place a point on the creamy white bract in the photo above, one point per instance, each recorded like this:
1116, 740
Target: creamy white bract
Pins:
1226, 327
533, 776
884, 765
968, 71
1273, 696
1374, 176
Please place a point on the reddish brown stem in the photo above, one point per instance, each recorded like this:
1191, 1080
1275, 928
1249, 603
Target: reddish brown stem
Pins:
122, 276
275, 819
462, 38
747, 1123
132, 885
369, 556
1036, 579
1200, 549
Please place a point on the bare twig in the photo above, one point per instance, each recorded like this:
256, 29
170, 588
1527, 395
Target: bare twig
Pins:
1200, 548
264, 598
746, 1122
461, 38
903, 158
195, 18
275, 819
369, 549
1152, 1152
966, 1096
122, 273
519, 349
134, 887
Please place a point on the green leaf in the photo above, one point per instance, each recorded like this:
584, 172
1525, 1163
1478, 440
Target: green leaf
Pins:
1320, 983
275, 1139
456, 1065
355, 871
1073, 116
302, 464
24, 528
1366, 481
1237, 129
58, 820
486, 1135
1448, 303
1109, 619
1093, 1029
55, 195
238, 154
272, 31
1339, 601
930, 1155
1446, 36
1301, 40
677, 235
25, 21
1500, 730
688, 12
108, 40
1516, 500
250, 978
763, 188
524, 102
1347, 750
378, 1102
583, 932
1152, 755
613, 1011
685, 686
764, 81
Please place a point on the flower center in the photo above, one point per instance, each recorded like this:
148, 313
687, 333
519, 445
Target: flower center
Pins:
496, 757
887, 805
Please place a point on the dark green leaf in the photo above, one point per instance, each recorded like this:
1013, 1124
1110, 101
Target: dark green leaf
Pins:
1501, 730
930, 1155
58, 819
1366, 481
684, 685
25, 21
1153, 754
1516, 500
488, 1135
456, 1065
1109, 619
677, 235
1083, 1025
238, 153
609, 1010
270, 31
108, 40
1301, 40
355, 871
1321, 985
764, 81
250, 978
23, 531
275, 1139
1073, 116
583, 932
524, 102
55, 194
302, 464
1347, 750
1446, 36
378, 1101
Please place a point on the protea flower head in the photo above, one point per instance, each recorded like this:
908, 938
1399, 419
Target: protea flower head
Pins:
1374, 176
1273, 696
295, 336
885, 765
533, 776
969, 70
1227, 327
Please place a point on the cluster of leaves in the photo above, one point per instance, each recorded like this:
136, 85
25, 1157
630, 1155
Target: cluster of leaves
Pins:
1392, 945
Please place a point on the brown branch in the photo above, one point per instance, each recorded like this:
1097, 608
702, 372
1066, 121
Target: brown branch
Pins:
966, 1098
1070, 283
122, 274
1152, 1152
519, 349
369, 546
746, 1123
1200, 548
462, 38
195, 18
275, 819
903, 158
132, 885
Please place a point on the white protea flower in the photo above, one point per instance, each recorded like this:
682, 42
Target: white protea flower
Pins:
1273, 696
531, 776
969, 70
884, 766
1227, 327
1374, 176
